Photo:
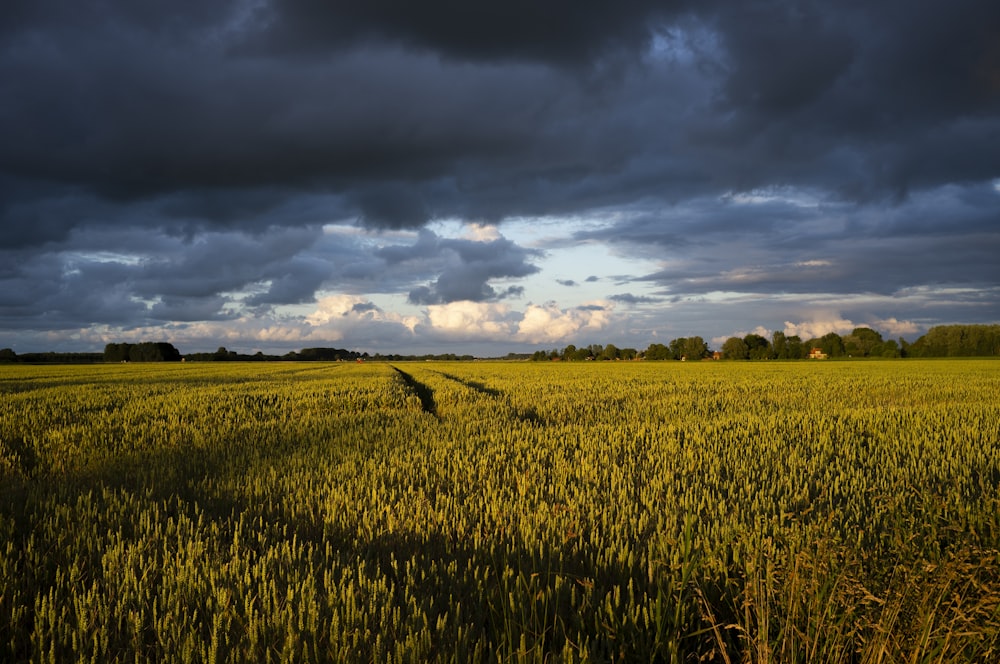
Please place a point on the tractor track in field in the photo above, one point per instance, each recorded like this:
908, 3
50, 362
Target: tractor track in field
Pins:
528, 415
422, 391
473, 385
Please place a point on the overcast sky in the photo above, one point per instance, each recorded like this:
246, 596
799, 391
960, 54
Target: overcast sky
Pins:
399, 176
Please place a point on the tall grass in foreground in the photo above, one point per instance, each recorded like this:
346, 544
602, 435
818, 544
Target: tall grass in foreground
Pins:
841, 512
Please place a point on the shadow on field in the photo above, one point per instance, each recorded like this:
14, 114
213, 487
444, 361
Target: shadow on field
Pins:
424, 393
474, 385
482, 591
528, 415
509, 596
499, 595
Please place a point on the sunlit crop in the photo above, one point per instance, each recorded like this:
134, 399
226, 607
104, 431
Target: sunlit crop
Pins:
462, 512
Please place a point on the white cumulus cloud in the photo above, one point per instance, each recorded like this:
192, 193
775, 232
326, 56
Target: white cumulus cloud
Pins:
356, 317
818, 327
896, 327
549, 323
472, 320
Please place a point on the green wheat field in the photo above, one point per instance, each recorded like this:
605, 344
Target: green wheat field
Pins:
501, 512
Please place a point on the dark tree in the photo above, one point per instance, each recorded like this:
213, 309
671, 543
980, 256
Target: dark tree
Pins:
957, 341
147, 351
735, 348
890, 349
610, 352
117, 352
757, 347
694, 348
779, 346
830, 343
863, 342
795, 348
688, 348
657, 352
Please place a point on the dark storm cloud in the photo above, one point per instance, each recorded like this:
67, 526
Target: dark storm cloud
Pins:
629, 298
782, 241
120, 111
362, 307
189, 309
125, 102
121, 277
895, 95
465, 267
560, 31
151, 153
49, 293
945, 237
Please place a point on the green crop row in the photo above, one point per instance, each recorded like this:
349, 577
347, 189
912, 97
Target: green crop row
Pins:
515, 512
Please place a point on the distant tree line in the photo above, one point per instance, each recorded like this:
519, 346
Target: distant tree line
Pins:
8, 356
165, 352
147, 351
223, 355
327, 355
957, 341
438, 357
861, 342
304, 355
941, 341
592, 352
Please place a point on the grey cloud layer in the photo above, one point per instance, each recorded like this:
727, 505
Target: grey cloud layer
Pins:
947, 236
417, 113
153, 277
465, 267
215, 140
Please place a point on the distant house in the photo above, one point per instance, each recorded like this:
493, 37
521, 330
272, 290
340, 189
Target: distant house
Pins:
717, 355
817, 354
